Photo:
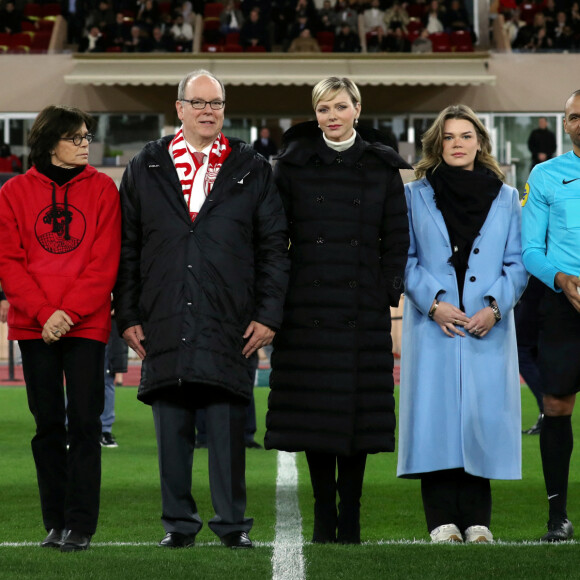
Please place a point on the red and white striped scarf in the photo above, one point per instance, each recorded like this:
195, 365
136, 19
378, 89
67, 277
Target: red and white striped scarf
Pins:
187, 166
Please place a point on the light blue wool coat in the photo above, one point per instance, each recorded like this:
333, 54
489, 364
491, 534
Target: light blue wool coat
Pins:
460, 397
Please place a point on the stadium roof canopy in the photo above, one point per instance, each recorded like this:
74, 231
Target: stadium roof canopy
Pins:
272, 69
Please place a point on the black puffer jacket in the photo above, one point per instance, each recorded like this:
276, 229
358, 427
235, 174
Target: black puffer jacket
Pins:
332, 378
194, 287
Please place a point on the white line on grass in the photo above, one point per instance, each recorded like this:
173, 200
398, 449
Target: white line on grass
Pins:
287, 557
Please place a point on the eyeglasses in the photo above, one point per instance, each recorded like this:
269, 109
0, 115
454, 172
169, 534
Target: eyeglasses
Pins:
200, 104
78, 139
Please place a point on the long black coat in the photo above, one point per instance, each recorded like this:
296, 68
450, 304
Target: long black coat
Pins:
194, 287
332, 377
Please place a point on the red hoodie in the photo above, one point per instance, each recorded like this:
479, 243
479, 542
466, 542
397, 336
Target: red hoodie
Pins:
59, 250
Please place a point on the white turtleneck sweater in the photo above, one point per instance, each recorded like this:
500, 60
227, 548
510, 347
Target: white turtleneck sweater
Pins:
340, 145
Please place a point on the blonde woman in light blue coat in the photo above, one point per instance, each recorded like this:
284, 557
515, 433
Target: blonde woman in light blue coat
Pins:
459, 412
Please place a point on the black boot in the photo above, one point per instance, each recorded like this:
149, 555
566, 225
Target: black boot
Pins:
322, 468
351, 472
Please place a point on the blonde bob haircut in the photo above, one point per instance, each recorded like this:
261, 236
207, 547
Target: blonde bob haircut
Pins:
328, 88
432, 142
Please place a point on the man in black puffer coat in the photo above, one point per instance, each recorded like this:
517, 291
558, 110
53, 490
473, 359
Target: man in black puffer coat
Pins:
201, 286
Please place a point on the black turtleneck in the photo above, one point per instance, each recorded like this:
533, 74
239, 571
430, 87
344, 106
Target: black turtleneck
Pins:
60, 175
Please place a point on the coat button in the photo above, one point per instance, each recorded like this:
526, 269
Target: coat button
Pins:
316, 322
189, 303
472, 279
320, 240
354, 243
339, 159
183, 339
320, 199
352, 323
316, 282
189, 266
356, 201
353, 284
476, 251
358, 165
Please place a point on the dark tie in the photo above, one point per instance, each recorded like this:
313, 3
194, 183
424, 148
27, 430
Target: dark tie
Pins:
199, 157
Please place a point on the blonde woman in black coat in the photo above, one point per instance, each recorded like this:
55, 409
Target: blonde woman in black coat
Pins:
332, 378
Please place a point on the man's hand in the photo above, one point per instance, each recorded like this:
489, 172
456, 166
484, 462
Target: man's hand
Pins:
570, 285
259, 336
56, 326
133, 337
4, 306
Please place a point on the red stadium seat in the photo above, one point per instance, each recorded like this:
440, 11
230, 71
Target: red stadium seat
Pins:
414, 25
33, 11
20, 39
325, 37
232, 48
213, 9
440, 41
40, 41
52, 9
233, 38
461, 41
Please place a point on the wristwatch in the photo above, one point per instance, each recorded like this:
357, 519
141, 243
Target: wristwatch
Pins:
495, 309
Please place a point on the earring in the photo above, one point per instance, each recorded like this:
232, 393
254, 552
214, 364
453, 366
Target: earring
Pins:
356, 122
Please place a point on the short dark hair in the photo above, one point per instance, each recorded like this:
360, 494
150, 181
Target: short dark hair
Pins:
52, 123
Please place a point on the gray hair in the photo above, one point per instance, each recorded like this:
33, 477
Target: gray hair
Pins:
200, 72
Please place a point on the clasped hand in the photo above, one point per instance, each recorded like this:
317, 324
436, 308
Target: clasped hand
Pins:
452, 320
56, 326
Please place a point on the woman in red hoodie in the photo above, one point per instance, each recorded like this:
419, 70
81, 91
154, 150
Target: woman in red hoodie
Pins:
60, 231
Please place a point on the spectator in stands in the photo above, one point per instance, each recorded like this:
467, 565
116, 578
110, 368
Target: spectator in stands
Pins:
459, 407
346, 14
92, 41
10, 18
118, 33
560, 23
422, 43
58, 264
540, 40
231, 18
456, 17
541, 142
102, 16
396, 41
326, 11
433, 19
148, 15
550, 13
566, 40
9, 163
513, 25
304, 43
139, 40
396, 17
254, 31
346, 40
374, 26
338, 182
161, 42
74, 11
182, 34
574, 18
305, 8
264, 7
301, 23
264, 144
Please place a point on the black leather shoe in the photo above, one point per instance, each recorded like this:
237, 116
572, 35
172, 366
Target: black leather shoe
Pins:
251, 444
558, 531
536, 428
75, 541
53, 540
177, 540
236, 540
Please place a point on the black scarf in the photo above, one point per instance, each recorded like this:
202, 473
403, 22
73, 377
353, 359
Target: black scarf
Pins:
61, 175
464, 198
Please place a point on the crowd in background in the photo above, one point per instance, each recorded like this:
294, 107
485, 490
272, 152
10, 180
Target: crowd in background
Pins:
540, 26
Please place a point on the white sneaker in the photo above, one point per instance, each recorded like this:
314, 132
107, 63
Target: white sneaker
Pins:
478, 535
446, 533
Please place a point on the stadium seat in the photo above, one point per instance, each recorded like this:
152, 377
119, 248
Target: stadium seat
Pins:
413, 35
212, 48
40, 42
232, 48
461, 41
46, 25
440, 41
28, 26
52, 9
325, 37
213, 10
233, 38
33, 11
21, 39
5, 38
